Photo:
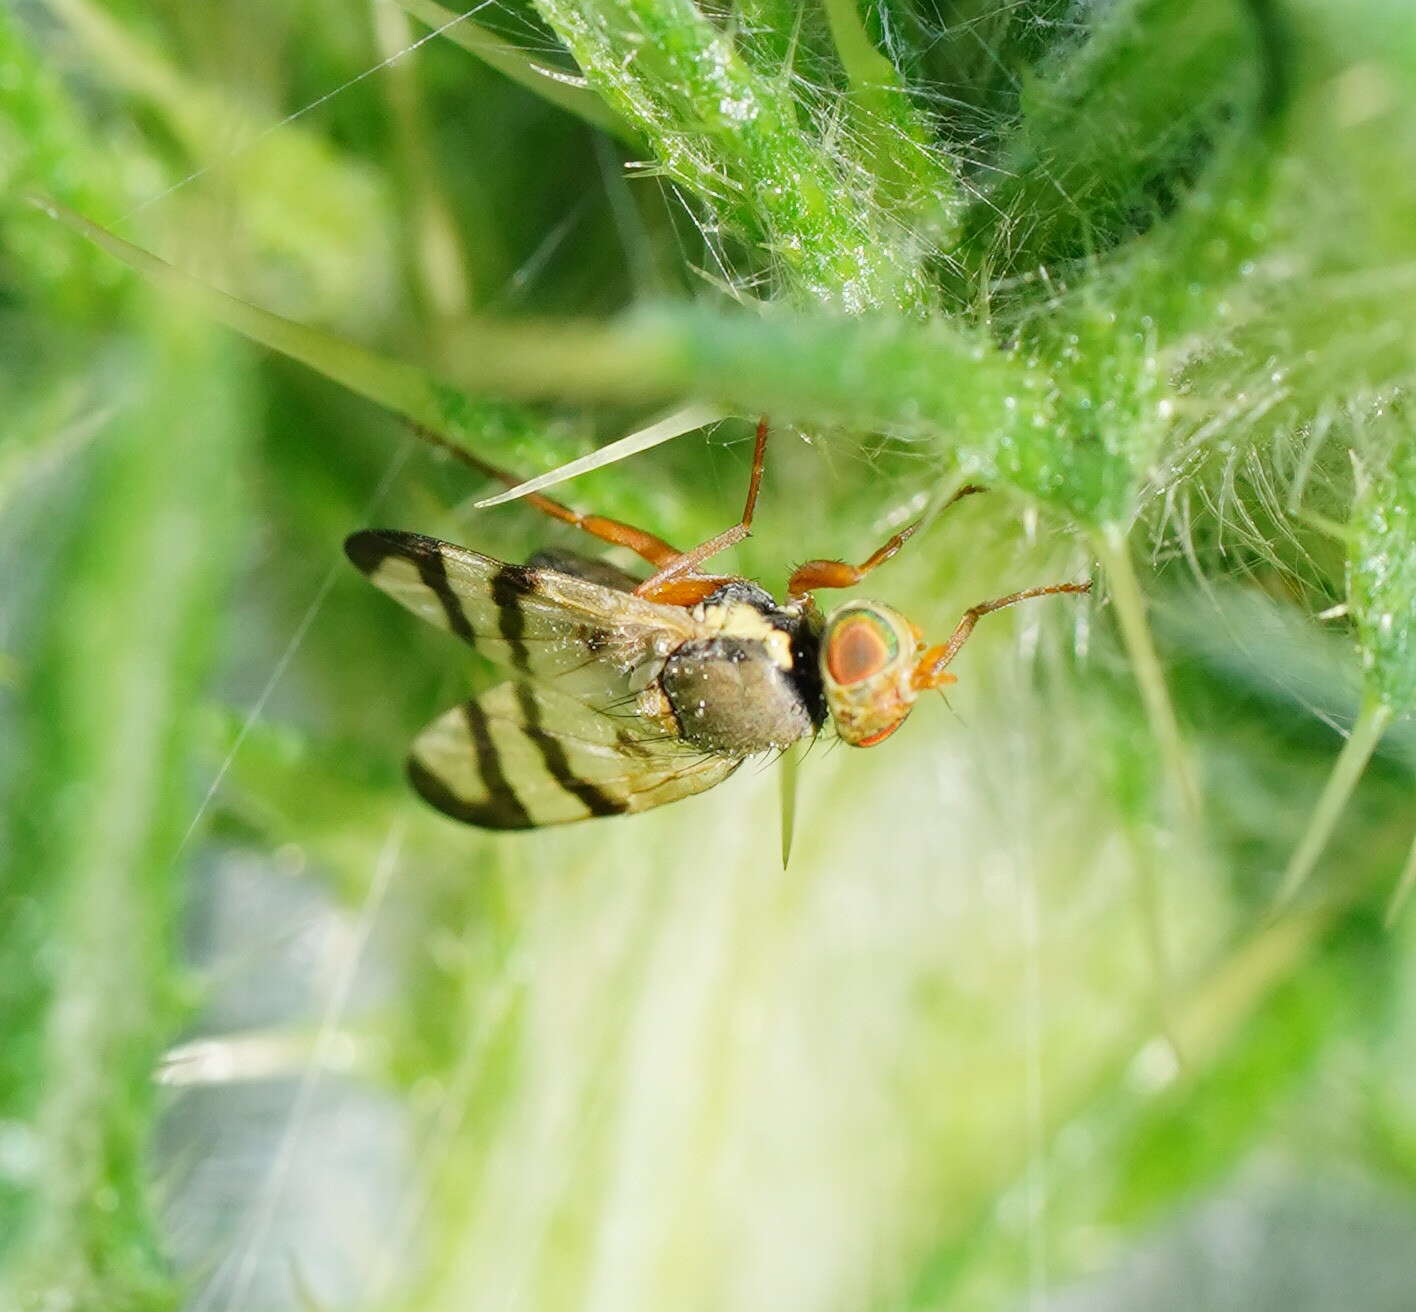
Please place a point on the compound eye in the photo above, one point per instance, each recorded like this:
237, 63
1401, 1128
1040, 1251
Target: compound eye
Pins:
859, 647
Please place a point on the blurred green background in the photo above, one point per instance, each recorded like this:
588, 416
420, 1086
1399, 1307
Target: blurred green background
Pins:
1090, 989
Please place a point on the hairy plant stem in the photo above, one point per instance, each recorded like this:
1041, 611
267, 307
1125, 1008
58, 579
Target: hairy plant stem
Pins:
748, 159
938, 382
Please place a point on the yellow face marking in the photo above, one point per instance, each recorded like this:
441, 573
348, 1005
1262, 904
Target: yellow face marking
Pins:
739, 620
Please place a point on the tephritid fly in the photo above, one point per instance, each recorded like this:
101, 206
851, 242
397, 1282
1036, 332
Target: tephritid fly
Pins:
626, 694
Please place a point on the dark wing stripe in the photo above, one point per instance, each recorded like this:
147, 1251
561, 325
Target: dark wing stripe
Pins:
433, 571
556, 760
501, 796
509, 585
596, 800
486, 815
501, 808
369, 548
541, 623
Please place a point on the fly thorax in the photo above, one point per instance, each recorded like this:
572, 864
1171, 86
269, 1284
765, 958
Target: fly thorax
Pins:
743, 620
732, 694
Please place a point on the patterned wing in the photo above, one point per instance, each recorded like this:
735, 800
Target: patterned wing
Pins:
540, 622
524, 755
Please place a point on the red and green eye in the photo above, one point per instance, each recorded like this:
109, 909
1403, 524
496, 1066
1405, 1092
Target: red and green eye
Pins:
860, 645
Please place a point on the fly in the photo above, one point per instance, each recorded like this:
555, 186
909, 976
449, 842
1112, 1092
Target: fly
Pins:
624, 694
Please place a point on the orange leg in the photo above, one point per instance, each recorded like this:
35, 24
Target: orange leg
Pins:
815, 574
690, 589
670, 578
930, 672
655, 550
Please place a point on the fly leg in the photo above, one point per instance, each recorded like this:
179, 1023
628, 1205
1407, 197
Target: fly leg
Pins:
931, 670
645, 545
814, 574
677, 578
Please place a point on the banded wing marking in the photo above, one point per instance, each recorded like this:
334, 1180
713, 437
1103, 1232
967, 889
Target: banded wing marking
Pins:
541, 623
523, 755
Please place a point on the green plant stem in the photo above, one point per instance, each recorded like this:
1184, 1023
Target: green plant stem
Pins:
865, 66
400, 386
1126, 596
1404, 885
1371, 723
736, 139
932, 382
910, 173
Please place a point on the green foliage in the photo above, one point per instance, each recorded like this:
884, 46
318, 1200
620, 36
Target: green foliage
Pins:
1144, 267
97, 823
